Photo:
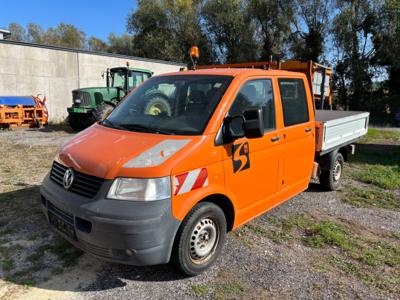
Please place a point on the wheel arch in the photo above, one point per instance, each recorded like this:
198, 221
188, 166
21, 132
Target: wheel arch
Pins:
226, 205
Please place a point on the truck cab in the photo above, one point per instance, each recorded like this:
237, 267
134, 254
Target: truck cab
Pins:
146, 188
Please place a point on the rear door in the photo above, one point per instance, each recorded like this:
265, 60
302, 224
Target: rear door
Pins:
299, 136
251, 165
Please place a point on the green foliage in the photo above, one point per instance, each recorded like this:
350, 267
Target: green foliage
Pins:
199, 290
377, 162
96, 44
230, 30
167, 29
312, 24
363, 40
371, 198
376, 136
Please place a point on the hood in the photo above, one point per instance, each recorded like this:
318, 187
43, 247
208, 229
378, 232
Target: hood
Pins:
108, 153
94, 88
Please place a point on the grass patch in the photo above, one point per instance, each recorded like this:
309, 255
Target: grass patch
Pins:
376, 135
199, 290
373, 259
386, 177
228, 290
371, 198
378, 165
62, 249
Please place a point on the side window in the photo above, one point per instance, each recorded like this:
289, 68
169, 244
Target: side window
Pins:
255, 93
294, 101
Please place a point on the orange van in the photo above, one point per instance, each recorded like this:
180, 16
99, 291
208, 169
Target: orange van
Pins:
186, 158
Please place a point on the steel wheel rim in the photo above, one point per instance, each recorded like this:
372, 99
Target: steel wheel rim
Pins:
203, 240
337, 171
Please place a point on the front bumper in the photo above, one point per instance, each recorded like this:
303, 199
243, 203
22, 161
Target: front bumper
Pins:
135, 233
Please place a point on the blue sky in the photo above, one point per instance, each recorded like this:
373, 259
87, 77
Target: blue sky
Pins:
97, 18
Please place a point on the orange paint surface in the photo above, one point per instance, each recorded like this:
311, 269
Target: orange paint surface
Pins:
277, 170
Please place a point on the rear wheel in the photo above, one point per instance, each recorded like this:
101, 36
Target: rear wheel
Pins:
331, 179
157, 106
200, 239
80, 121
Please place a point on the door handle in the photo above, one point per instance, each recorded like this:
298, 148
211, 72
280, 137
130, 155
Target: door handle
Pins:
308, 129
275, 138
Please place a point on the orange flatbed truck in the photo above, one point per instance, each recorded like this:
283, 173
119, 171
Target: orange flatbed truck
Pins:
228, 145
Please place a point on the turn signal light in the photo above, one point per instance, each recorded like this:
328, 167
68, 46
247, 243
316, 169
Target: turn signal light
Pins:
194, 52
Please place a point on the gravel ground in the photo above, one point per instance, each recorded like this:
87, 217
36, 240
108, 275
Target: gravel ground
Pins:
253, 265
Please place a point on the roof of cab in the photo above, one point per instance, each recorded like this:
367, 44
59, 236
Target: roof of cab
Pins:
233, 72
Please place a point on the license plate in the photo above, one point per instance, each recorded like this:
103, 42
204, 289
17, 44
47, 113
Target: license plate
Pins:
62, 226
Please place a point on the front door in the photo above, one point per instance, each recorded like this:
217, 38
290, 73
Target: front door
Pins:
251, 165
299, 136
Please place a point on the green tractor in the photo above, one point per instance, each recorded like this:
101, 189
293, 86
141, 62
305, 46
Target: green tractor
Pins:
94, 103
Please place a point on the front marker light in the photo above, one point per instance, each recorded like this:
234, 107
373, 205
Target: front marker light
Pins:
140, 189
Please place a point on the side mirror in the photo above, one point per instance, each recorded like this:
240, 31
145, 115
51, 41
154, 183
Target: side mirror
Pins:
250, 124
253, 122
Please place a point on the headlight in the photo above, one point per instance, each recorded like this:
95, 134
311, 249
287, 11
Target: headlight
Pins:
140, 189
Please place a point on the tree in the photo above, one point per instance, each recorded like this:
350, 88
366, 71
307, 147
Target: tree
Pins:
95, 44
386, 37
311, 25
35, 34
120, 44
273, 19
18, 32
230, 30
65, 35
165, 29
352, 35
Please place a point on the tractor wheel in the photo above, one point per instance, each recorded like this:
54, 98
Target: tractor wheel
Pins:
79, 121
156, 106
102, 111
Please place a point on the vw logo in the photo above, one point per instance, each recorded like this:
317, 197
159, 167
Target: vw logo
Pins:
68, 179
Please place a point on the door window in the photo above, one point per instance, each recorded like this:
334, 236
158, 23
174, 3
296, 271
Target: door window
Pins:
254, 93
294, 101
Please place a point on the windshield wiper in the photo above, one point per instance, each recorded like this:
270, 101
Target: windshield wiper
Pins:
143, 128
108, 123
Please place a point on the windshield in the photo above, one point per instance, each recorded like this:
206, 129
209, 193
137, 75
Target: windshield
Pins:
118, 78
136, 78
181, 104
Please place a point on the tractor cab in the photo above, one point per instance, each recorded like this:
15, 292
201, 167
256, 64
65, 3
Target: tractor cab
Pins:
125, 79
91, 104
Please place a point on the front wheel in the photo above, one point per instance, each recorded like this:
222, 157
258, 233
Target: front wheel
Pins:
331, 179
200, 239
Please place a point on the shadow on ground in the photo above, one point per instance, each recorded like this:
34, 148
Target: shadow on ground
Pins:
31, 253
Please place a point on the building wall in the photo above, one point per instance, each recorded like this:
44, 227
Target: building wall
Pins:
27, 69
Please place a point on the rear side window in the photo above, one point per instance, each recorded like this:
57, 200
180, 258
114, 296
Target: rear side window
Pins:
255, 93
294, 101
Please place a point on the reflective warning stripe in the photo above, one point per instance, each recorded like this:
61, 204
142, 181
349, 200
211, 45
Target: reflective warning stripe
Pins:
190, 181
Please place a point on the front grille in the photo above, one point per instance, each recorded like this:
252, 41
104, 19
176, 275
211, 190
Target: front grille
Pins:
66, 217
84, 185
83, 96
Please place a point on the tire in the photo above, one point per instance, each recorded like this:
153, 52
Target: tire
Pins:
78, 121
200, 239
158, 105
102, 111
331, 180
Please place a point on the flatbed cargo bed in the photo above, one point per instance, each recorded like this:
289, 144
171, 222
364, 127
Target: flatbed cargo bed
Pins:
335, 129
